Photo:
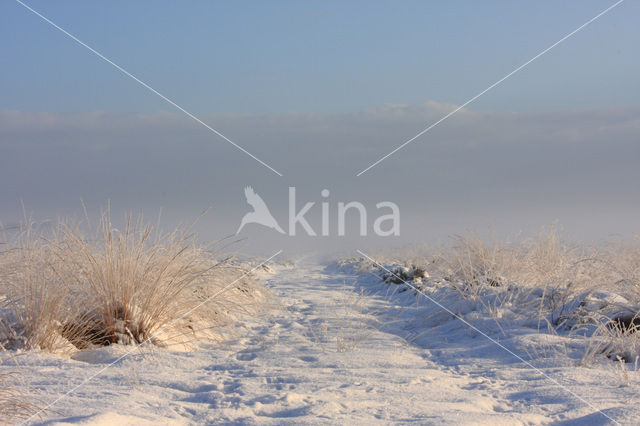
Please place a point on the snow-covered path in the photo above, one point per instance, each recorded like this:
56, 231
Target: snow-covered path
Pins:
328, 355
323, 360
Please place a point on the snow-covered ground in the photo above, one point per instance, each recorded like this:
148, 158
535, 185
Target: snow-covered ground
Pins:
339, 349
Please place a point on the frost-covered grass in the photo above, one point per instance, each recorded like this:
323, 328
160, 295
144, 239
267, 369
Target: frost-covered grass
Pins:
585, 294
65, 291
15, 403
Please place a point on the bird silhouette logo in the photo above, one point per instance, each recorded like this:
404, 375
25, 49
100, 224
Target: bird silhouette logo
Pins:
260, 214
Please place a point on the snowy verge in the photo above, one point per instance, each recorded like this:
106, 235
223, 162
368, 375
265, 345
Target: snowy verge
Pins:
586, 328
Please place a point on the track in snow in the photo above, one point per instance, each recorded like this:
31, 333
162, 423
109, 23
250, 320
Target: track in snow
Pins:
321, 358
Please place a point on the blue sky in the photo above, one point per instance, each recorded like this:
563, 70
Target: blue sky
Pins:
270, 57
320, 91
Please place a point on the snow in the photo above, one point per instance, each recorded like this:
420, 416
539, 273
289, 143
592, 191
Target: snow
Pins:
340, 348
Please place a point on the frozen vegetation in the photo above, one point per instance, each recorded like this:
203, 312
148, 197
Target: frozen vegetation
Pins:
113, 329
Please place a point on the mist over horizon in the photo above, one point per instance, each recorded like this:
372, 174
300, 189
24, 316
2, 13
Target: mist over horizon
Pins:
506, 171
319, 92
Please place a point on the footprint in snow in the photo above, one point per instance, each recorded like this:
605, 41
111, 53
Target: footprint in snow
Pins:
246, 356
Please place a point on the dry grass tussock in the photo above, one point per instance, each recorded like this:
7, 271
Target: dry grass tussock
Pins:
560, 268
589, 290
62, 290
